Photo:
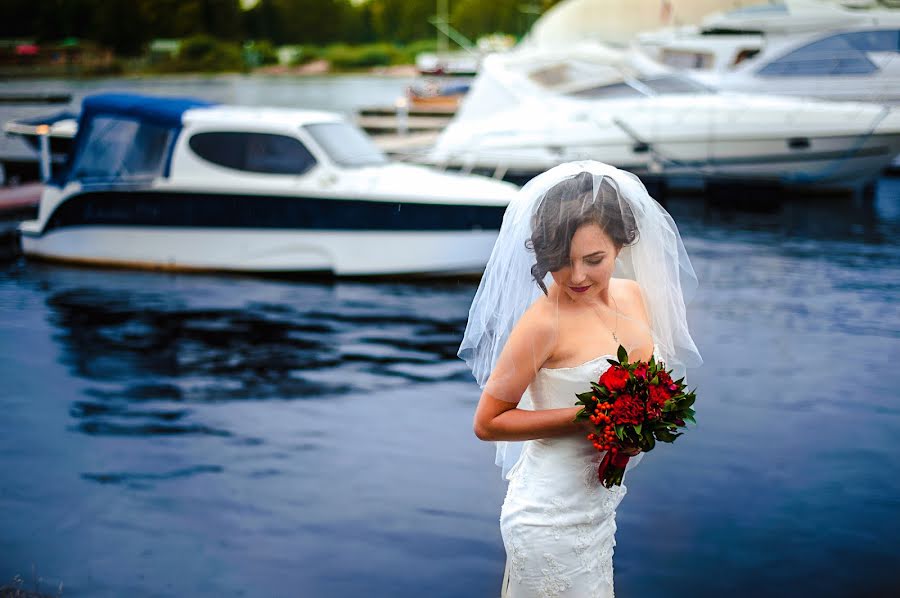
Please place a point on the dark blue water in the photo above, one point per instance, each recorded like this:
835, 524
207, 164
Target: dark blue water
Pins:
193, 435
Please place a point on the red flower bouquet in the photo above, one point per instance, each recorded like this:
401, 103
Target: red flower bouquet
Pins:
633, 405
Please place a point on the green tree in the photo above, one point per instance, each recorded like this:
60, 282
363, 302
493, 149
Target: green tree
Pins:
121, 25
474, 18
402, 20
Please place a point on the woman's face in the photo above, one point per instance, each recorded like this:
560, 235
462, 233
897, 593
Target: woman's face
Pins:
592, 259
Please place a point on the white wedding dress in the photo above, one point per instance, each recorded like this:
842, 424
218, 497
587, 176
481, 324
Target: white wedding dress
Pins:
558, 521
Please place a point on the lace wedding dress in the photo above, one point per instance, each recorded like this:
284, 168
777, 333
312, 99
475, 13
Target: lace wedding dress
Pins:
558, 522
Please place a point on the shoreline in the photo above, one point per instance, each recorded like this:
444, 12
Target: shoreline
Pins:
311, 69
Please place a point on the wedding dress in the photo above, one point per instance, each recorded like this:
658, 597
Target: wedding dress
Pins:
558, 521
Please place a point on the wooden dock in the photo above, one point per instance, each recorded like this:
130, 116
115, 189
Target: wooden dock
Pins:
19, 199
401, 131
16, 204
374, 125
399, 146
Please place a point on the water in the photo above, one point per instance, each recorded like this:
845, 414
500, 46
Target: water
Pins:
236, 436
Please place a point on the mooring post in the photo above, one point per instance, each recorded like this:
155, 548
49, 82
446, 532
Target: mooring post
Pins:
43, 132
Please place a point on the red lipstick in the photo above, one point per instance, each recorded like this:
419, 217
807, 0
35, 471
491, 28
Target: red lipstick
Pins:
580, 289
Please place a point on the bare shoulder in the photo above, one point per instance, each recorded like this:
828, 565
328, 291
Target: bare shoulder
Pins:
627, 288
631, 297
540, 317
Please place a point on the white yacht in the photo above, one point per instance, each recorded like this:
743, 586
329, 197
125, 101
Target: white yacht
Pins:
183, 184
534, 108
798, 47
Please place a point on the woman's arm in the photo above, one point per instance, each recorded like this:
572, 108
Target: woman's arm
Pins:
501, 420
529, 346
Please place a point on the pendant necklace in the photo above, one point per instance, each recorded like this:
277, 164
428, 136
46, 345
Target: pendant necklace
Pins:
612, 331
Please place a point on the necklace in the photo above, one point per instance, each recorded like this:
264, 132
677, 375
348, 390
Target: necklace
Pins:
615, 327
616, 324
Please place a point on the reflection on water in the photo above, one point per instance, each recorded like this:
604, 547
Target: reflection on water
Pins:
225, 435
154, 356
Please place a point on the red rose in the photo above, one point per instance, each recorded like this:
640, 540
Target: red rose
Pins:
641, 370
627, 409
659, 395
666, 380
614, 378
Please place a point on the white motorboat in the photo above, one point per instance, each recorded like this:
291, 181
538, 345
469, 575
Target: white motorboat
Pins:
799, 48
534, 108
183, 184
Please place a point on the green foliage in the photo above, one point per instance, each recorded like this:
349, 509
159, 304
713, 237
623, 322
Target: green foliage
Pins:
126, 26
205, 54
354, 57
475, 17
307, 53
407, 54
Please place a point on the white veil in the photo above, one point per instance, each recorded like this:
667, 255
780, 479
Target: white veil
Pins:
656, 260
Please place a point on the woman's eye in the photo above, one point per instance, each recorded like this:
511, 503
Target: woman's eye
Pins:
593, 262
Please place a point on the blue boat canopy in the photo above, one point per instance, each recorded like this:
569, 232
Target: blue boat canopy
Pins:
161, 111
125, 139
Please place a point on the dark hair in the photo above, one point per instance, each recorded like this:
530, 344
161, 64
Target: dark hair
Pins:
565, 207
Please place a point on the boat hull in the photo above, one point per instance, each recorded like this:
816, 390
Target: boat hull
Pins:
343, 253
840, 162
178, 230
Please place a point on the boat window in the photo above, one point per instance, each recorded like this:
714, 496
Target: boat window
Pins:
687, 59
346, 144
575, 76
645, 86
841, 54
616, 90
121, 150
263, 153
673, 84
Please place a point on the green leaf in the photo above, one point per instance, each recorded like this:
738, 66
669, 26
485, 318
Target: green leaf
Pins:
638, 428
665, 436
620, 431
622, 354
690, 418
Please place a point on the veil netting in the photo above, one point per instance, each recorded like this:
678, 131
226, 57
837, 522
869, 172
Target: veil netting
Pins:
654, 257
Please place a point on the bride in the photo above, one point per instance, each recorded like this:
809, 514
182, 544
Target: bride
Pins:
585, 261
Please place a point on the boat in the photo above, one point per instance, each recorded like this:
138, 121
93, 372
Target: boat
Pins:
617, 22
797, 48
435, 94
534, 108
184, 184
58, 129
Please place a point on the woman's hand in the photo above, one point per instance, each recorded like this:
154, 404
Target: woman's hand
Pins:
592, 429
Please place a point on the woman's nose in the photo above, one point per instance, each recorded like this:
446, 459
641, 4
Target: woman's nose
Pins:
577, 273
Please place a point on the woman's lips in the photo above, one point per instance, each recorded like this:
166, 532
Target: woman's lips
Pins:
580, 289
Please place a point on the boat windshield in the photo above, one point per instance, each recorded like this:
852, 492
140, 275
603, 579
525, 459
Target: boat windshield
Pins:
644, 86
346, 144
121, 150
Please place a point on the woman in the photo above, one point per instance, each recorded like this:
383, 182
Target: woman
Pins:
585, 261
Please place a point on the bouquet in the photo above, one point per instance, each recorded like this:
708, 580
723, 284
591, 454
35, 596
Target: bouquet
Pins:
633, 405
